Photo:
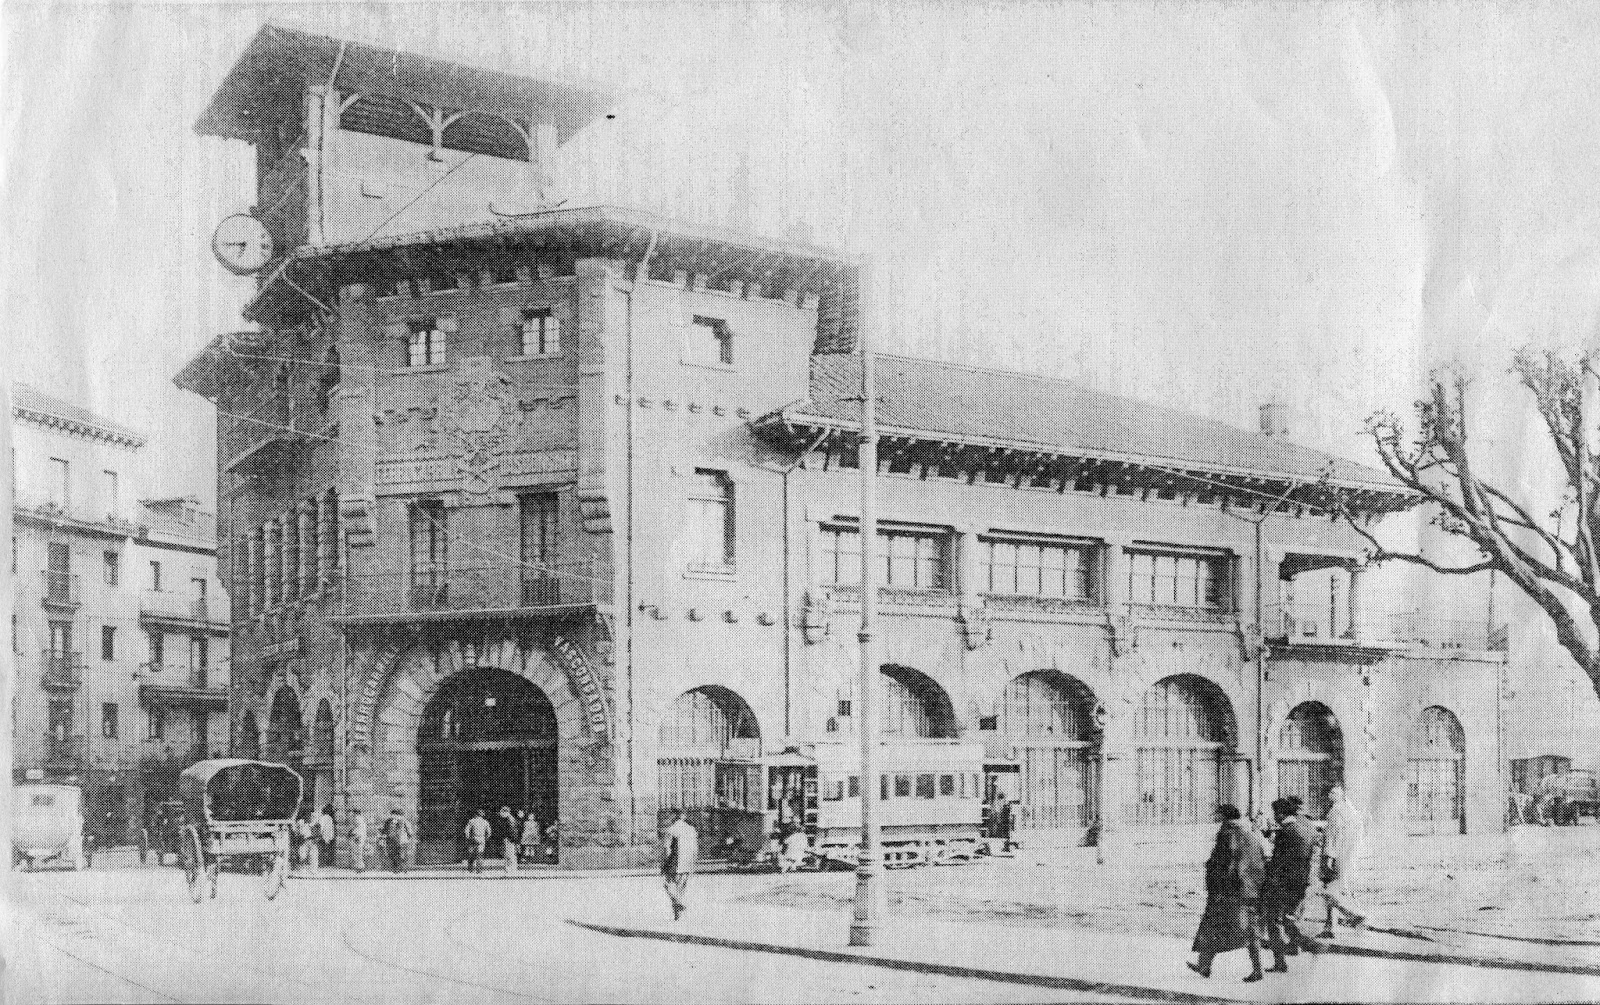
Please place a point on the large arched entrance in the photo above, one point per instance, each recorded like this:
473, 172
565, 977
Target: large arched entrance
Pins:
249, 738
1184, 738
707, 756
1310, 756
913, 706
285, 744
487, 739
1436, 775
1047, 726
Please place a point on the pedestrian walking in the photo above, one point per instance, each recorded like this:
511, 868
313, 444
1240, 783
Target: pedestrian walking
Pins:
396, 836
1234, 874
679, 848
506, 830
793, 850
358, 841
1288, 877
1341, 850
529, 837
477, 835
325, 831
305, 842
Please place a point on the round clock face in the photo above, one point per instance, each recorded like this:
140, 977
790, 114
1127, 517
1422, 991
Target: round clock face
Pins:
242, 244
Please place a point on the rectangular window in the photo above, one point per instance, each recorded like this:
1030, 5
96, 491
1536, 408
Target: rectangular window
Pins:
539, 516
540, 332
199, 730
710, 526
429, 550
59, 584
61, 637
111, 492
907, 559
59, 712
925, 788
155, 576
197, 588
425, 344
834, 790
158, 650
108, 642
854, 789
902, 785
712, 342
158, 723
108, 720
1036, 569
1177, 580
947, 785
113, 568
883, 788
199, 660
60, 483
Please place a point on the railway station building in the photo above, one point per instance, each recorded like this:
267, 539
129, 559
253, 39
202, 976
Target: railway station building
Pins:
558, 510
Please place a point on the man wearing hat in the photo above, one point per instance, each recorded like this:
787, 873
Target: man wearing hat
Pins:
1288, 877
396, 835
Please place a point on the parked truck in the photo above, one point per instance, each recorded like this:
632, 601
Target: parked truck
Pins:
1568, 797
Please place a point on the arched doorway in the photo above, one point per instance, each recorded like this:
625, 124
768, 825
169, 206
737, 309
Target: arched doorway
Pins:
1184, 738
319, 756
913, 706
1436, 774
1047, 727
249, 738
707, 756
1310, 756
487, 739
284, 741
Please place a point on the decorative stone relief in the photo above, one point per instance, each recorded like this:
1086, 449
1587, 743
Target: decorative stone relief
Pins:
817, 614
477, 416
356, 517
975, 628
1124, 633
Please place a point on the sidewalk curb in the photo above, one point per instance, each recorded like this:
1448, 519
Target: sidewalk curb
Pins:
348, 875
914, 966
1455, 959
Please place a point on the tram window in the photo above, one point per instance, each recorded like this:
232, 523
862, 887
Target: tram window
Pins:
902, 785
947, 785
925, 786
975, 789
961, 780
855, 786
883, 787
834, 790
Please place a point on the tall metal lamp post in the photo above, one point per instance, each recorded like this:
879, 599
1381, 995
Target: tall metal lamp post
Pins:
871, 902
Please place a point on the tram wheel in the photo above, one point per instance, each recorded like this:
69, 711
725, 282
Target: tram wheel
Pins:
194, 871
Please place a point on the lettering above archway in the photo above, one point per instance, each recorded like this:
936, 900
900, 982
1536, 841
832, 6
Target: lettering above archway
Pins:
581, 677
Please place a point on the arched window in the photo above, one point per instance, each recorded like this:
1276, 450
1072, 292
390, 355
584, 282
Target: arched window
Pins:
913, 706
322, 734
1310, 756
700, 731
1436, 773
1047, 724
1183, 735
283, 727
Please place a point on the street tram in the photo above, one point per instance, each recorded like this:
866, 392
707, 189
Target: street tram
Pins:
929, 809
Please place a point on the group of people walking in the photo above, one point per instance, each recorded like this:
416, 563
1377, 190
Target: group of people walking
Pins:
516, 835
1253, 887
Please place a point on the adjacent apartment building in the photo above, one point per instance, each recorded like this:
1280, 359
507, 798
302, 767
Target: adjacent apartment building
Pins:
558, 510
120, 625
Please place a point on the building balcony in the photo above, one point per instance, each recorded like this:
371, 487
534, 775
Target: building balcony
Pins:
180, 687
60, 671
1316, 625
450, 593
266, 440
60, 589
183, 609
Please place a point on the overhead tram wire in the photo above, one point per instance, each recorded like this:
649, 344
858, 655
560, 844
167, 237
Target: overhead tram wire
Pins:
357, 367
522, 563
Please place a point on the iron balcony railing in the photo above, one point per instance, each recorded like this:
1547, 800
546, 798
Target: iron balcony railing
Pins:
61, 671
176, 675
506, 586
1316, 624
167, 605
60, 588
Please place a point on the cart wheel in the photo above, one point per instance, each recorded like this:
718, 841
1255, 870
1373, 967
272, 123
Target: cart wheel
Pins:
194, 866
277, 869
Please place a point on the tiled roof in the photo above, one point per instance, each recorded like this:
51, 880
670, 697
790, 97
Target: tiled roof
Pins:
974, 404
31, 403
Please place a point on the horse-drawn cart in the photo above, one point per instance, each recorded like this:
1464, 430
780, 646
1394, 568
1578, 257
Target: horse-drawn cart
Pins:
240, 811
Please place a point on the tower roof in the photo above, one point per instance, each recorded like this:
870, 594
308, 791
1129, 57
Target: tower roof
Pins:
280, 62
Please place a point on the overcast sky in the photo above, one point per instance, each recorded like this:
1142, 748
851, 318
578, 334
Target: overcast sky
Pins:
1202, 205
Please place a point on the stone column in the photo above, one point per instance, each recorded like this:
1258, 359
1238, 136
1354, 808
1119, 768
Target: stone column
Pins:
241, 575
966, 566
327, 535
273, 547
307, 511
258, 570
289, 553
1114, 578
1358, 575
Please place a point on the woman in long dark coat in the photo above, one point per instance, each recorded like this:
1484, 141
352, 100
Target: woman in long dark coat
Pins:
1233, 884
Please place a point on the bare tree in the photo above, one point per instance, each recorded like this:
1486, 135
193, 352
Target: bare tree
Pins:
1553, 557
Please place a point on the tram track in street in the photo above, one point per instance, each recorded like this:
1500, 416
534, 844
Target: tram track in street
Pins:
52, 919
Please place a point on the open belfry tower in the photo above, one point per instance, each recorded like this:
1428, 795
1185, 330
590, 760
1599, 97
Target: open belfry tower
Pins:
353, 139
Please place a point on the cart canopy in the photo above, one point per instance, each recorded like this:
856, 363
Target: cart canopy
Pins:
231, 789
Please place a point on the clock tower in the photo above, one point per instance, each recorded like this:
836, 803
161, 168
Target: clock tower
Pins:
354, 141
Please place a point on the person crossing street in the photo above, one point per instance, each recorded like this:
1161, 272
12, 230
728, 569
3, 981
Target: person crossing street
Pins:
1341, 850
679, 848
1287, 879
477, 834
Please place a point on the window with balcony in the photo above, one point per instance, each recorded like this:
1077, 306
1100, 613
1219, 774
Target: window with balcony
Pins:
430, 552
60, 585
199, 661
1178, 580
59, 719
425, 344
1036, 568
108, 720
158, 650
155, 576
907, 558
113, 568
108, 642
158, 723
710, 525
540, 333
61, 638
710, 341
539, 515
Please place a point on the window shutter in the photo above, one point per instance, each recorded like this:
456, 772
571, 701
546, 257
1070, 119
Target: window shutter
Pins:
552, 327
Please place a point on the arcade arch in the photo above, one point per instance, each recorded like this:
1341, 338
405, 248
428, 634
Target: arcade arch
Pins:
1184, 739
1047, 725
913, 706
1310, 756
284, 742
1436, 775
704, 736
